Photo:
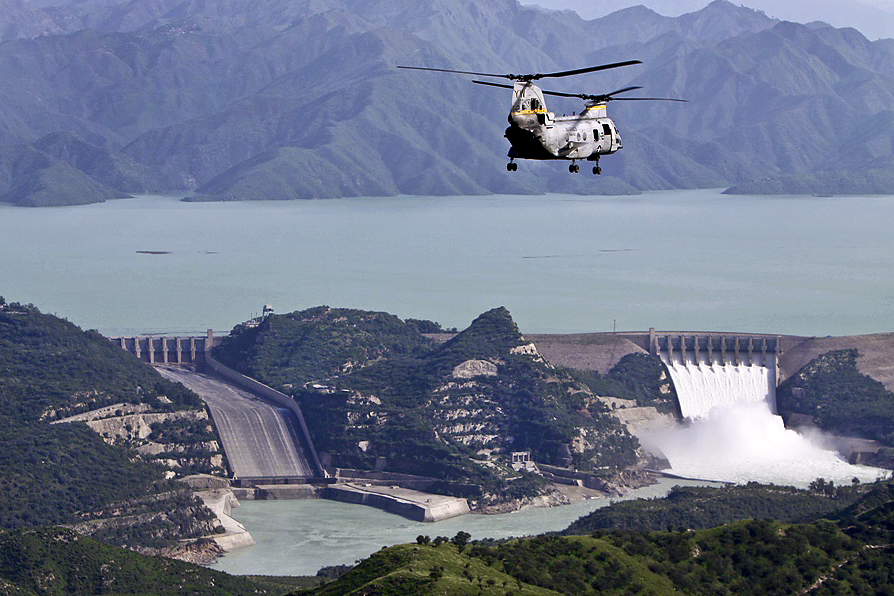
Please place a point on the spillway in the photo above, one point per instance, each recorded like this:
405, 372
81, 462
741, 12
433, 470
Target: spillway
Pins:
707, 373
726, 387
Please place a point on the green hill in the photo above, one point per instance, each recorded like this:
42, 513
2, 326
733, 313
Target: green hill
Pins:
66, 473
376, 393
698, 507
836, 396
747, 557
60, 561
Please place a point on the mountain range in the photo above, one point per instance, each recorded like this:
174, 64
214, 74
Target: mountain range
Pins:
874, 18
288, 99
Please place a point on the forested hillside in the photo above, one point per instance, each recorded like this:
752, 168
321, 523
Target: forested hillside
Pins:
377, 394
59, 561
65, 472
831, 393
285, 99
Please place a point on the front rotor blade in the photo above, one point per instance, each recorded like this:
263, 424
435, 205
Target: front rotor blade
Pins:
489, 84
568, 73
477, 74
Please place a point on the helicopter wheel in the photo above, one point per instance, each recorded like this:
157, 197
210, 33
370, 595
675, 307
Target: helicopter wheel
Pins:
511, 166
597, 170
573, 168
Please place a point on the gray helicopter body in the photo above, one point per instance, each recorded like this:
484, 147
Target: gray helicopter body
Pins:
536, 133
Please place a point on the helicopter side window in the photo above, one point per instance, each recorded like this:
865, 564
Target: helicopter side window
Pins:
607, 130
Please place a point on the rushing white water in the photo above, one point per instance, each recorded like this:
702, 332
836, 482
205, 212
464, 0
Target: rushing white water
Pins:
747, 442
703, 386
732, 434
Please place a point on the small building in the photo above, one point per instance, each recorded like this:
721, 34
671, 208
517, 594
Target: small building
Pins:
521, 460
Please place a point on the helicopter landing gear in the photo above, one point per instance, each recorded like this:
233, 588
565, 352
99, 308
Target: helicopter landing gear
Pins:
573, 168
511, 166
596, 169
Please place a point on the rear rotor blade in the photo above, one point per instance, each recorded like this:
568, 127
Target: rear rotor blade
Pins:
568, 73
586, 97
560, 94
529, 77
624, 90
649, 99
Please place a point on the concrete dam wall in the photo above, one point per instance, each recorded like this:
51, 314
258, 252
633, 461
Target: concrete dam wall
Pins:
169, 350
718, 371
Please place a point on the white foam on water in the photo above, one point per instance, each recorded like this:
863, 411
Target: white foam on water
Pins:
732, 433
746, 442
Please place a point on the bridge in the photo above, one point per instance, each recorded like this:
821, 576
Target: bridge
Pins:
262, 431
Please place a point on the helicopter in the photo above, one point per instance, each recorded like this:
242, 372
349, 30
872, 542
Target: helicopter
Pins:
535, 133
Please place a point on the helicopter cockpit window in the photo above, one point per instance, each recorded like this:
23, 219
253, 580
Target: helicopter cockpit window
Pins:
535, 104
607, 130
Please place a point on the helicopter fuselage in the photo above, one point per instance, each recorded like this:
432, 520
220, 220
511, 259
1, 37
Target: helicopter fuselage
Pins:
536, 133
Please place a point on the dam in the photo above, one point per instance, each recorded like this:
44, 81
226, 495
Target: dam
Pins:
708, 369
718, 370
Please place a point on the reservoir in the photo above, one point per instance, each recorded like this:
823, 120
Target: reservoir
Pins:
680, 260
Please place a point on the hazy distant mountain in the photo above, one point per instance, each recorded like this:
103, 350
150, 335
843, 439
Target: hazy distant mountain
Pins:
301, 99
873, 18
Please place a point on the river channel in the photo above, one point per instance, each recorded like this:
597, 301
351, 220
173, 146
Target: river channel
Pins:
299, 537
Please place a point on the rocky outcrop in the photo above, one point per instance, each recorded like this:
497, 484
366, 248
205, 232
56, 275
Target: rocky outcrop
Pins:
474, 368
165, 437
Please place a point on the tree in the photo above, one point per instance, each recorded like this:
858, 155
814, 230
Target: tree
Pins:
461, 540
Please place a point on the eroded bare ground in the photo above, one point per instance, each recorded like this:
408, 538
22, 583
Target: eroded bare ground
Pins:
584, 351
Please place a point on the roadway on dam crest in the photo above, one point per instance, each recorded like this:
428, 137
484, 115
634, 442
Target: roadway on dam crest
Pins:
259, 438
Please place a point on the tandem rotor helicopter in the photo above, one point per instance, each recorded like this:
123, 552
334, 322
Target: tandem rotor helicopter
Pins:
535, 133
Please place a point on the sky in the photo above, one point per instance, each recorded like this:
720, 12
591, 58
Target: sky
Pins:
873, 18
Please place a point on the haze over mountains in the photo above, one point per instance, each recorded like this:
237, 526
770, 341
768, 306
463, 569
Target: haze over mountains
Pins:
874, 18
301, 99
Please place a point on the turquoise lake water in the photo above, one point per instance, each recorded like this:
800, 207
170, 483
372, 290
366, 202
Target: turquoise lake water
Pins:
681, 260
